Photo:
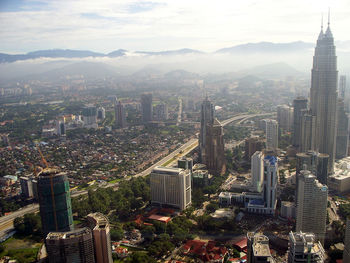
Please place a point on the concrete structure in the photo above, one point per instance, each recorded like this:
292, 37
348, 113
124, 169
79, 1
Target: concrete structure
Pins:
346, 253
146, 106
285, 117
171, 187
270, 183
215, 148
161, 112
54, 201
340, 180
342, 86
120, 118
252, 145
258, 250
287, 210
311, 206
101, 113
271, 135
72, 246
323, 95
60, 127
99, 225
342, 131
307, 131
257, 171
303, 247
26, 187
185, 163
90, 117
207, 120
299, 104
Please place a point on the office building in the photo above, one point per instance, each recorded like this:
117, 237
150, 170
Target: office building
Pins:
342, 142
285, 117
60, 127
54, 201
90, 117
303, 247
270, 183
101, 113
171, 187
146, 106
71, 246
299, 104
26, 187
161, 112
307, 131
311, 206
257, 171
323, 95
120, 118
185, 163
99, 225
342, 86
207, 120
252, 145
346, 253
271, 135
315, 162
258, 249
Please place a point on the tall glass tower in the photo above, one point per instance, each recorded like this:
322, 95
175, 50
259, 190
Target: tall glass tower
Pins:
323, 95
54, 201
207, 118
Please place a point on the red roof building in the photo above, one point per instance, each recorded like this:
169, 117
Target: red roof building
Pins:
207, 252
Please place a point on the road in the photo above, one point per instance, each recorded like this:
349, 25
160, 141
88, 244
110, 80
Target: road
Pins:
6, 222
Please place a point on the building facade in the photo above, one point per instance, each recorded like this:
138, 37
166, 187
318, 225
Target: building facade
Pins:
171, 187
207, 120
346, 253
90, 117
271, 135
252, 145
120, 117
311, 206
285, 117
257, 171
54, 201
342, 142
146, 107
299, 104
258, 249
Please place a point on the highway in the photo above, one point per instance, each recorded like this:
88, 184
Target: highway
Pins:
6, 222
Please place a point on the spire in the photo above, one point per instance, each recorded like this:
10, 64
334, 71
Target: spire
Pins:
328, 33
329, 15
320, 36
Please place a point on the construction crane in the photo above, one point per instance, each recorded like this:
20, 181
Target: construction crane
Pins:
42, 157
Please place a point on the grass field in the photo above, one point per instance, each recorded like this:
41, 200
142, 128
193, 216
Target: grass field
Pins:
23, 250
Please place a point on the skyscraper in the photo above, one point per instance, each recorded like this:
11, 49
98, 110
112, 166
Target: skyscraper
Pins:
99, 225
342, 131
342, 86
161, 112
171, 186
307, 131
346, 253
311, 206
271, 135
258, 249
90, 116
316, 163
72, 246
270, 183
257, 168
323, 94
214, 148
146, 106
207, 118
285, 117
54, 201
120, 115
303, 247
299, 105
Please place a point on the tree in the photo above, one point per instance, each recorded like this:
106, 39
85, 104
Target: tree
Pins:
140, 257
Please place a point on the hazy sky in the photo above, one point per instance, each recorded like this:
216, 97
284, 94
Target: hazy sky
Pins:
107, 25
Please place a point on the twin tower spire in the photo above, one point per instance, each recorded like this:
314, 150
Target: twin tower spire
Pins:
328, 32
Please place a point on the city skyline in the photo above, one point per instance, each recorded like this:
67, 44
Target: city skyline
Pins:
161, 25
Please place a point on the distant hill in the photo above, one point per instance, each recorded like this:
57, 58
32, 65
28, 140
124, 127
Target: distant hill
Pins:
267, 47
271, 71
171, 52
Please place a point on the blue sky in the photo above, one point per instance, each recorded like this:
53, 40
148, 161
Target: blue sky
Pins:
207, 25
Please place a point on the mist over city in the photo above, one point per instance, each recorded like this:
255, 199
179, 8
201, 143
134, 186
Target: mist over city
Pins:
174, 131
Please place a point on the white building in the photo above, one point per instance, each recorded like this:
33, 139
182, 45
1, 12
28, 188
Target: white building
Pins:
171, 187
257, 170
303, 247
271, 134
285, 117
340, 180
26, 187
311, 205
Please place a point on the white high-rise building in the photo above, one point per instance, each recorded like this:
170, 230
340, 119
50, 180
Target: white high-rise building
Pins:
257, 170
311, 205
303, 247
285, 117
271, 134
171, 187
270, 182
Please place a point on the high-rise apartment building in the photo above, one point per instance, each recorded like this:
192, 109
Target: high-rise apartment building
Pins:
270, 183
54, 201
323, 95
120, 118
101, 113
251, 145
303, 247
161, 112
207, 120
26, 187
171, 187
99, 225
346, 253
311, 206
258, 249
72, 246
342, 86
285, 117
90, 116
214, 149
316, 163
257, 170
271, 135
342, 132
299, 104
146, 106
307, 131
